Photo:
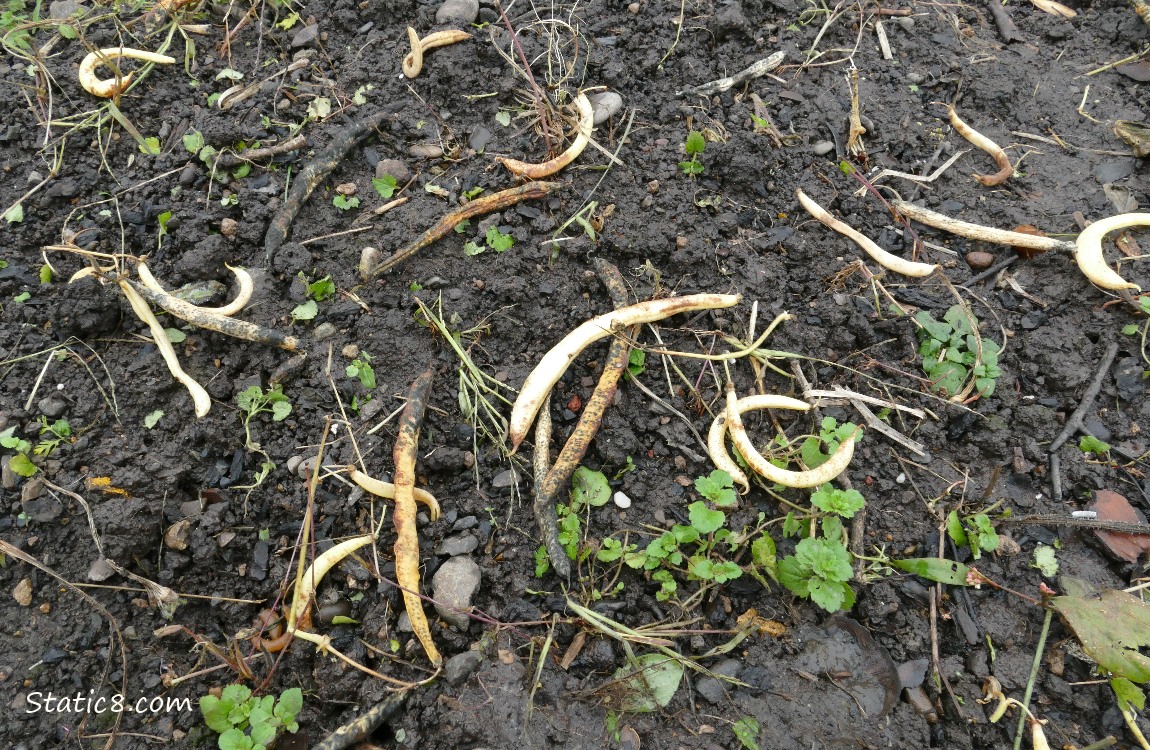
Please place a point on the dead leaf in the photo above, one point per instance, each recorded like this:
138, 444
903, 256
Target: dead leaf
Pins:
1110, 506
1054, 9
1111, 627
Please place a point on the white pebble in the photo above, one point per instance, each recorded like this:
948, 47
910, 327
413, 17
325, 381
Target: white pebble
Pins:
622, 500
900, 479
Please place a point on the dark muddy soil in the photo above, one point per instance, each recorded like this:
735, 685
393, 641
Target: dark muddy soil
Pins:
76, 352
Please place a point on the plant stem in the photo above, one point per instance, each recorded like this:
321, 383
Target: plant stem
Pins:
1033, 676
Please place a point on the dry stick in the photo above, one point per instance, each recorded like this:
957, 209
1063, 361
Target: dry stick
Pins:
478, 207
406, 533
315, 172
590, 420
255, 154
990, 272
1076, 421
1006, 28
543, 508
361, 727
240, 329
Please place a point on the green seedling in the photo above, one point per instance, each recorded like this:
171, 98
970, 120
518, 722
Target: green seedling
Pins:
636, 363
305, 311
953, 352
976, 530
747, 731
345, 202
245, 722
817, 450
694, 146
51, 436
19, 463
361, 368
819, 570
320, 290
385, 186
838, 502
255, 400
496, 240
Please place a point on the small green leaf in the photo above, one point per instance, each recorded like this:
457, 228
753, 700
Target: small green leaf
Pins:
345, 203
955, 530
589, 488
498, 241
691, 168
1112, 627
473, 248
695, 143
746, 732
22, 465
322, 289
242, 171
307, 311
385, 186
650, 682
343, 620
235, 739
45, 274
153, 418
1128, 694
15, 215
934, 569
1045, 560
151, 146
193, 141
280, 410
503, 117
1091, 444
1130, 329
291, 19
703, 519
462, 226
68, 31
175, 335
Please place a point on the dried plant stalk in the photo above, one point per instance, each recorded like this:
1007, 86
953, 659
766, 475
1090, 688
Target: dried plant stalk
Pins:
407, 535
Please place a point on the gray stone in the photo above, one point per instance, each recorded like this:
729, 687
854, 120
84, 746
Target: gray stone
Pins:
425, 150
323, 331
61, 9
605, 105
452, 586
460, 544
395, 168
480, 137
459, 667
403, 625
100, 570
52, 407
305, 36
503, 480
458, 11
8, 476
465, 523
715, 690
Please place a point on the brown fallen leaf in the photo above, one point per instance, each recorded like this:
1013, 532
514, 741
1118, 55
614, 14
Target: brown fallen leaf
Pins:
1110, 506
1054, 9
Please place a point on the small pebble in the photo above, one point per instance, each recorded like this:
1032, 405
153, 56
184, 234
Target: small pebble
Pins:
23, 592
979, 260
346, 188
622, 500
458, 11
229, 227
822, 148
633, 9
370, 259
393, 167
605, 105
425, 150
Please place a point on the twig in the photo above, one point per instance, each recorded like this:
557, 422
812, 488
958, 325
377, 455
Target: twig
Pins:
1009, 33
362, 726
478, 207
1075, 422
255, 154
990, 272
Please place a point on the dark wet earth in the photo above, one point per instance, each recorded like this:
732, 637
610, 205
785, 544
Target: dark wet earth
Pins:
167, 493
